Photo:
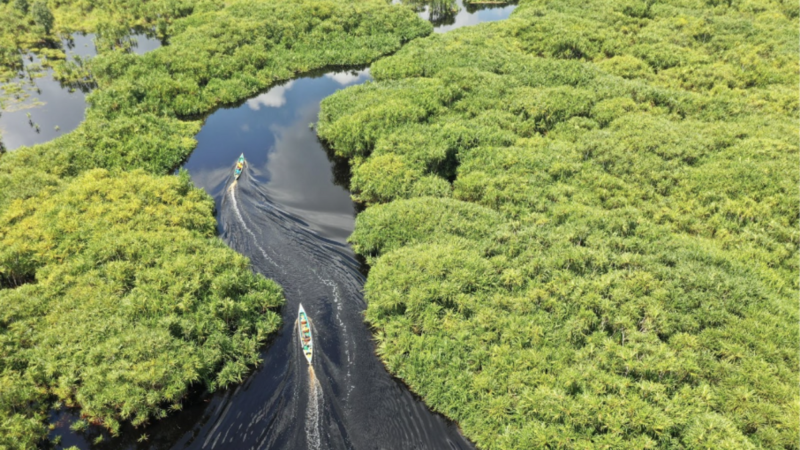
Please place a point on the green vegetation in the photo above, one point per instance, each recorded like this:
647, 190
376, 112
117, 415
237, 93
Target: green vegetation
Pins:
43, 16
583, 222
115, 296
134, 300
21, 6
352, 34
216, 56
37, 27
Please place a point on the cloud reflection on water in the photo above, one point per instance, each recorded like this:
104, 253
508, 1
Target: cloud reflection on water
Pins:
274, 98
345, 78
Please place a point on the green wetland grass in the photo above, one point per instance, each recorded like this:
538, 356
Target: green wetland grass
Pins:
115, 294
582, 223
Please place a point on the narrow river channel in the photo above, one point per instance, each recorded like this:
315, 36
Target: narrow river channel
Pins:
290, 213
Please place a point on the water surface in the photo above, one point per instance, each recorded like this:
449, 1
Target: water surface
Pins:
446, 15
56, 104
283, 153
291, 215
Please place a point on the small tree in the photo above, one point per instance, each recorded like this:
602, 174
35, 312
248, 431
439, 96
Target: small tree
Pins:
21, 6
42, 15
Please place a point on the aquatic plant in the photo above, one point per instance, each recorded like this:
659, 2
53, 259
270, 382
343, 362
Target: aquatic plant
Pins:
42, 15
215, 57
39, 32
582, 223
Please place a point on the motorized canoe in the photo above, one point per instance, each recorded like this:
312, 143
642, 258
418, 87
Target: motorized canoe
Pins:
239, 167
304, 327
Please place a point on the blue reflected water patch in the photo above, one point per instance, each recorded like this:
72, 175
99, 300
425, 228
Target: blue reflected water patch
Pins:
282, 151
446, 15
475, 14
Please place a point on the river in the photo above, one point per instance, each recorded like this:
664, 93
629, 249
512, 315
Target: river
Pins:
290, 213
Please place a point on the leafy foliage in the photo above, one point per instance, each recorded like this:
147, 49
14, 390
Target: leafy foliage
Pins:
111, 21
217, 55
134, 300
42, 15
115, 296
21, 6
609, 256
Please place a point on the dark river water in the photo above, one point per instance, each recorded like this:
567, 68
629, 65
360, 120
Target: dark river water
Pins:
290, 213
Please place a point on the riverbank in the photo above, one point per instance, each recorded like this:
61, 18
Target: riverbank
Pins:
582, 223
119, 235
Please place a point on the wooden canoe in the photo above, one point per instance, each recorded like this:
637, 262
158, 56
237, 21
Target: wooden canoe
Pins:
239, 167
304, 328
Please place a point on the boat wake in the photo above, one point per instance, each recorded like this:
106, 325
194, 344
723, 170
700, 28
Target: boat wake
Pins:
315, 399
235, 208
291, 219
348, 401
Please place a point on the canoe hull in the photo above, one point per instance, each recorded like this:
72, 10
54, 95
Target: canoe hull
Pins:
304, 330
237, 172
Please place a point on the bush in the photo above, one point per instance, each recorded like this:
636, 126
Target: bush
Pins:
617, 266
42, 15
21, 6
129, 301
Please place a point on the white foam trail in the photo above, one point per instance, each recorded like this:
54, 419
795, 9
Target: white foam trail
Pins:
244, 225
338, 301
312, 412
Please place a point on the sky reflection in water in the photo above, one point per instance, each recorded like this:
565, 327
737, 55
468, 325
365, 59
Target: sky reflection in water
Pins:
272, 130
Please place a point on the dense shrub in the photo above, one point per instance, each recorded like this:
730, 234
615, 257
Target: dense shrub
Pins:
611, 261
42, 15
134, 300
